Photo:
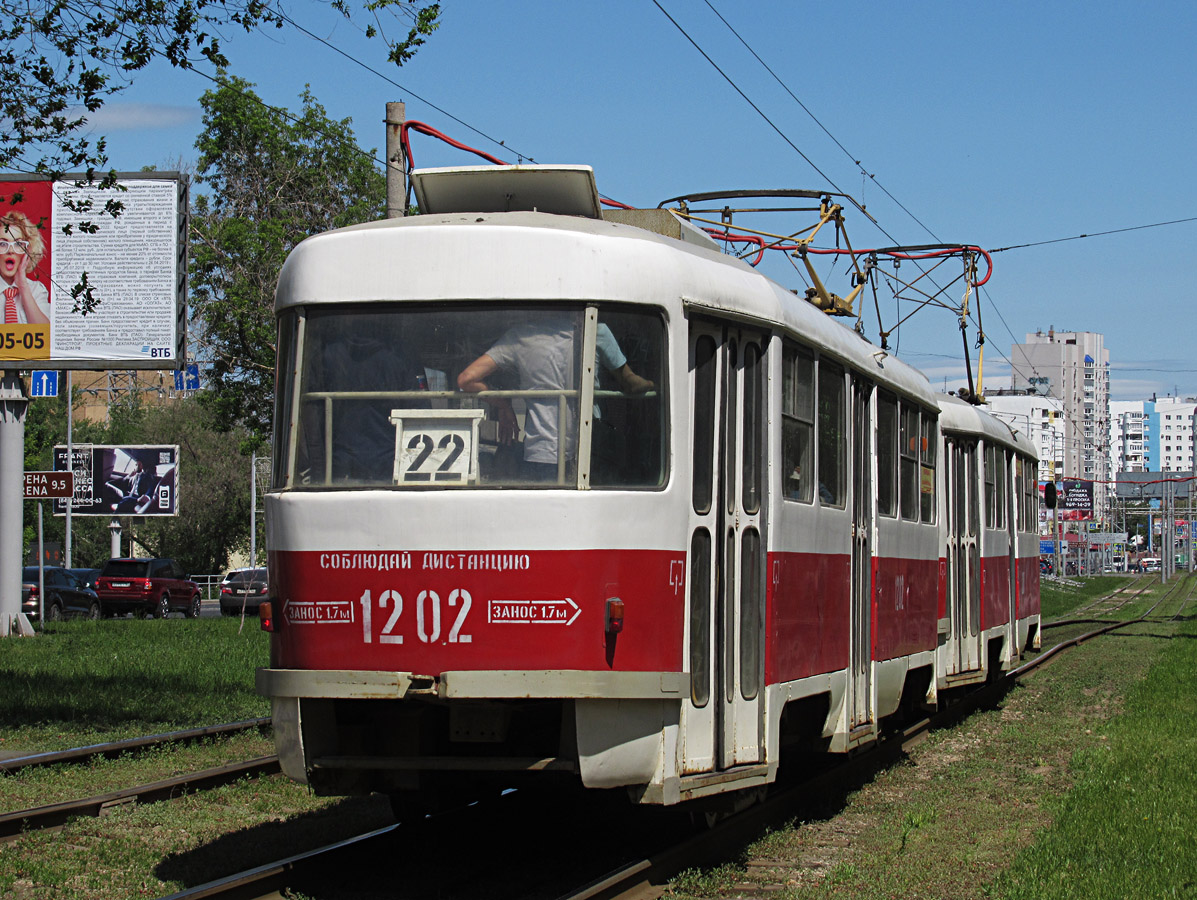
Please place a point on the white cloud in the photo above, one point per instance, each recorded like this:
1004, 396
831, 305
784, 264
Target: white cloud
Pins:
114, 117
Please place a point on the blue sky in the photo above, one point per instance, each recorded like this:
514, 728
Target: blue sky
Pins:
996, 125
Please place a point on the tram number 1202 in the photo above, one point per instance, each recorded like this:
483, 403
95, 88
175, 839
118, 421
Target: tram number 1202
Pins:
428, 616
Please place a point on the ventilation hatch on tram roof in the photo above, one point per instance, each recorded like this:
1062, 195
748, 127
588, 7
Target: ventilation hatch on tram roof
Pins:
564, 190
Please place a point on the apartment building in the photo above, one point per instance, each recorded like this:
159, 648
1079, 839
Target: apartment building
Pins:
1073, 367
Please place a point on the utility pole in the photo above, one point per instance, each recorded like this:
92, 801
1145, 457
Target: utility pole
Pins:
13, 407
396, 161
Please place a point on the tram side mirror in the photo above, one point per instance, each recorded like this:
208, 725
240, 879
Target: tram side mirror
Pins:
1049, 494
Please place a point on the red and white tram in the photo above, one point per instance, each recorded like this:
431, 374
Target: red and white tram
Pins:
770, 533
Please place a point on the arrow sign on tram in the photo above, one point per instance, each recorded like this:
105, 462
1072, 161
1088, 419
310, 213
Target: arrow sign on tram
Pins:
318, 612
533, 612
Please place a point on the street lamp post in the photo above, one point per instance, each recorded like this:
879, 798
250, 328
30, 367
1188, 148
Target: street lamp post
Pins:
253, 506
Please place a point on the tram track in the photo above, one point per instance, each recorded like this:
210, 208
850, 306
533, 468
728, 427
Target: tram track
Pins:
644, 875
114, 749
53, 815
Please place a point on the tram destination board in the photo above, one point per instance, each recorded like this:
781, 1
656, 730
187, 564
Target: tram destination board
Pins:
48, 485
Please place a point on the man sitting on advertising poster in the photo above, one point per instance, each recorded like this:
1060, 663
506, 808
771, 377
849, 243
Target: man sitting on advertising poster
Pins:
132, 491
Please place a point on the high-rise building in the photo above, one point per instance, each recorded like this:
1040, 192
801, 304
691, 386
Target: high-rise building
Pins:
1155, 435
1074, 368
1129, 429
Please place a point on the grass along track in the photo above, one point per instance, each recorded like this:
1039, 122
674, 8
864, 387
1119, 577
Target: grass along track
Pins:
1053, 794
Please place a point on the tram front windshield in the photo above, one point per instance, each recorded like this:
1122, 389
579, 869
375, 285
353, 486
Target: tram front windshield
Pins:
471, 396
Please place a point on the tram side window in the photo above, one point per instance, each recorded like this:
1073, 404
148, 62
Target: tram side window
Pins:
1028, 495
753, 436
797, 421
628, 442
705, 370
887, 454
927, 466
1001, 469
1020, 487
1032, 496
288, 336
990, 486
831, 437
908, 446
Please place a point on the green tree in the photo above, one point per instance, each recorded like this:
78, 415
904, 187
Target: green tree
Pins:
272, 179
213, 518
61, 61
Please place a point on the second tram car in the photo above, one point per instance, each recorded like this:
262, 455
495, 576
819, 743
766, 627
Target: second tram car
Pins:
565, 494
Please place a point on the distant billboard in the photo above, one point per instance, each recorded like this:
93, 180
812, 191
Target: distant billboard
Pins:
139, 480
55, 237
1076, 501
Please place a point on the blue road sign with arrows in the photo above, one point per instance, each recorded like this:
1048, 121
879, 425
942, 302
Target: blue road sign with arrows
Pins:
44, 383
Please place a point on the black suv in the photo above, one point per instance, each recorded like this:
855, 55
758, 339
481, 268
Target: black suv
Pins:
66, 594
147, 587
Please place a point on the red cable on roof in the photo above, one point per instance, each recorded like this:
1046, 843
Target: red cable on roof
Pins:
425, 128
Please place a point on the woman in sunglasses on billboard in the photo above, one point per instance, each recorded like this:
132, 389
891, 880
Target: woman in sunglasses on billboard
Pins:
26, 301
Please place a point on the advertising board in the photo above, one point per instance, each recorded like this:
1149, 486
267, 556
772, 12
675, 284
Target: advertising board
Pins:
56, 239
139, 480
1076, 501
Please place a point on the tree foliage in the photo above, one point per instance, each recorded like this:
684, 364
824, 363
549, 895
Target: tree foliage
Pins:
60, 61
271, 180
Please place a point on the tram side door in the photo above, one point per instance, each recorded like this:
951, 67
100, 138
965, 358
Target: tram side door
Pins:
723, 722
861, 655
1012, 536
963, 556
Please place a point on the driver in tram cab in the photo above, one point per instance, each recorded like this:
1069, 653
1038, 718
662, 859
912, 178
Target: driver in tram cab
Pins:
540, 354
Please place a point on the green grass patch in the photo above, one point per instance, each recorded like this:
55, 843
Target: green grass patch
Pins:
1129, 826
1057, 599
83, 682
1084, 780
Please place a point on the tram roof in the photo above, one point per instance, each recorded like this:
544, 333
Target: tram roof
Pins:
957, 416
541, 257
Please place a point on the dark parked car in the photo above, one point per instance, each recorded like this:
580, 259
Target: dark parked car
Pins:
243, 588
66, 594
147, 587
87, 576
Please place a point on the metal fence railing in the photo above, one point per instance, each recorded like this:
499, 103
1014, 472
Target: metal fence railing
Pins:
209, 585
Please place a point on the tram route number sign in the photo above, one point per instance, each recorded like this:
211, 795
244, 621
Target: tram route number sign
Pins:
436, 445
48, 485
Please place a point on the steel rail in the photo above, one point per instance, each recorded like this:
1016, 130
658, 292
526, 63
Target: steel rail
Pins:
41, 818
271, 879
116, 748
